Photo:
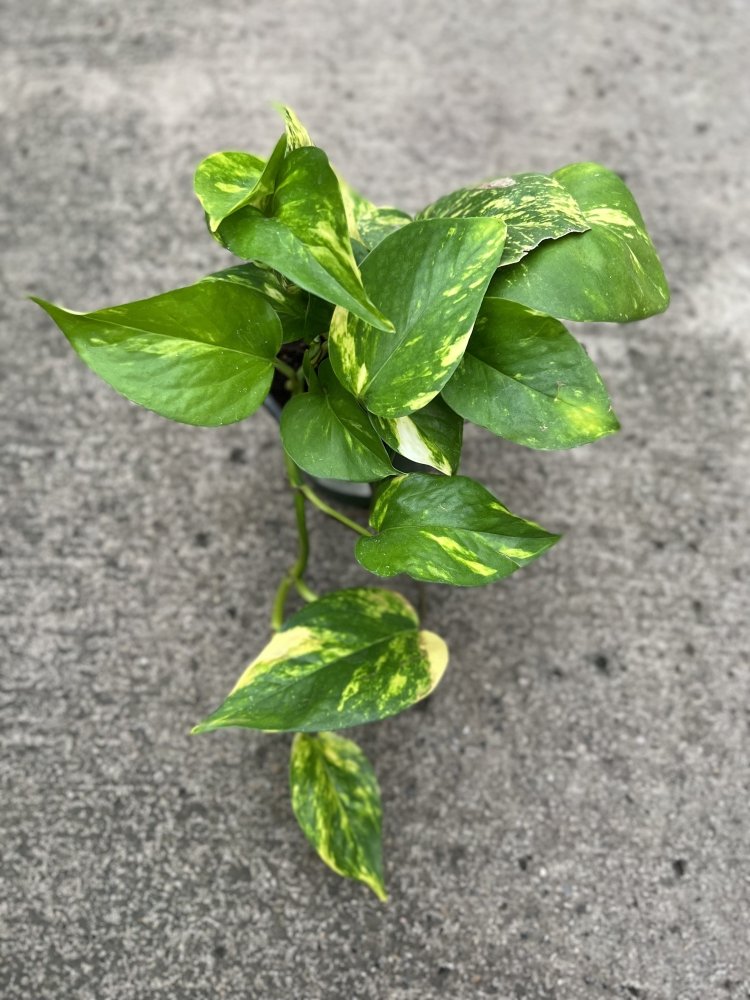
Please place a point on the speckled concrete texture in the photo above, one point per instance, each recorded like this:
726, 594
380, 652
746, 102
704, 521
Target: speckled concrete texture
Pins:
569, 817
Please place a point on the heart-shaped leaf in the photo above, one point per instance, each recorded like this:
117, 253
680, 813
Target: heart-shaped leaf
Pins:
328, 434
226, 182
303, 316
526, 378
534, 207
430, 436
350, 657
447, 530
303, 233
201, 355
431, 277
223, 182
336, 799
609, 274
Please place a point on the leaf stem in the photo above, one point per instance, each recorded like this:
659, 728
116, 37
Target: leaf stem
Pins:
285, 369
302, 493
304, 591
293, 577
316, 501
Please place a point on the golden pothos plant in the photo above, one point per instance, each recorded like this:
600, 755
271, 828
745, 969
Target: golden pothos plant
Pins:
380, 333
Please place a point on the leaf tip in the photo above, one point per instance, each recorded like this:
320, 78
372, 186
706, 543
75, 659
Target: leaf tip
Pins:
378, 887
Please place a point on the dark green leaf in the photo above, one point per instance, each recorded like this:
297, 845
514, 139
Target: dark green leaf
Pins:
609, 274
430, 277
336, 800
524, 377
303, 316
201, 355
534, 207
430, 436
447, 530
328, 434
350, 657
304, 234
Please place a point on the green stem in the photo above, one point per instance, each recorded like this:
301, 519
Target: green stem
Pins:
304, 591
302, 493
315, 500
285, 369
293, 577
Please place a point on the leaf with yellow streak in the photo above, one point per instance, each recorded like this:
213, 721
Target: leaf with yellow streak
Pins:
336, 799
351, 657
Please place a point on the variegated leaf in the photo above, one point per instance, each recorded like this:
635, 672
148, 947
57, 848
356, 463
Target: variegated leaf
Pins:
336, 799
447, 530
430, 436
223, 181
328, 434
609, 274
201, 355
534, 207
430, 277
350, 657
524, 377
296, 133
304, 234
303, 316
226, 182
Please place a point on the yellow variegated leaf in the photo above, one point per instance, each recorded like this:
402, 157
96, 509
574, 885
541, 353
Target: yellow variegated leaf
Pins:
353, 656
302, 233
447, 530
430, 436
526, 378
534, 207
430, 278
227, 182
223, 182
609, 274
336, 800
202, 354
296, 133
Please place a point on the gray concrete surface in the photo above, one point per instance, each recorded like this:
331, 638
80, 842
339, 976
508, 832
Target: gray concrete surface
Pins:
570, 816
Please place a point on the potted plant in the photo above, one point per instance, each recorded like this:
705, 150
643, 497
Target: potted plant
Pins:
378, 334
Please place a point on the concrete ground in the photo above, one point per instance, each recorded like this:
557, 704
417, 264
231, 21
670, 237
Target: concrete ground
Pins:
570, 816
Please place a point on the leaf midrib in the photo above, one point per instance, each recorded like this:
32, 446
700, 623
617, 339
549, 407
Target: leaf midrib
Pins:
487, 536
524, 385
355, 437
358, 650
177, 337
272, 696
361, 857
414, 320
